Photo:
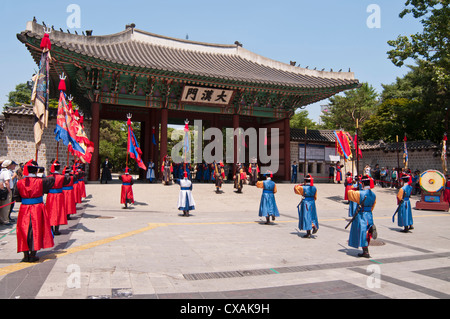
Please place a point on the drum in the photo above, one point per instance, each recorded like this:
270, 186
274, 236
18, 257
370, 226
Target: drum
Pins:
432, 181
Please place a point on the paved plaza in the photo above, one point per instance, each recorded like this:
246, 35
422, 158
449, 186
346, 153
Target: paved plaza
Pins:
225, 251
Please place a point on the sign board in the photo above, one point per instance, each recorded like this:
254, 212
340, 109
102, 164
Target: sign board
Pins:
313, 152
202, 95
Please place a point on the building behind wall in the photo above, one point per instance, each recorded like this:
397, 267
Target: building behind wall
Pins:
422, 155
321, 153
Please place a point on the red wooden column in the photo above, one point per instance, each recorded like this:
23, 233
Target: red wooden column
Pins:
163, 141
94, 167
235, 126
287, 150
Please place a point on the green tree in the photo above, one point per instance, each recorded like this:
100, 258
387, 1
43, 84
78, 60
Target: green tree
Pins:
409, 105
21, 95
300, 120
357, 104
431, 46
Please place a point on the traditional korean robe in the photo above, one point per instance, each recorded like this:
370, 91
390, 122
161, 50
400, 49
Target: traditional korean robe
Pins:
106, 172
33, 223
167, 169
126, 195
82, 184
348, 186
69, 196
151, 171
186, 201
338, 174
76, 189
352, 206
447, 191
55, 204
404, 217
359, 230
307, 213
268, 205
254, 171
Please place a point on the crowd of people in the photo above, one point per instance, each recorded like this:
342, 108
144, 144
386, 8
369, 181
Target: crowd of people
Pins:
39, 220
384, 177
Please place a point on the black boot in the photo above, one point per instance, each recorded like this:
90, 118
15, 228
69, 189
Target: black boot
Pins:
405, 230
56, 230
315, 229
308, 234
365, 253
33, 257
26, 256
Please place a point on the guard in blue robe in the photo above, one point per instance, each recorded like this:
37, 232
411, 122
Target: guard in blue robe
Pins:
404, 218
363, 228
268, 206
307, 213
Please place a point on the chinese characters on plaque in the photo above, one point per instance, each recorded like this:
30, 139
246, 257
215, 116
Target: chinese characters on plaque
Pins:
196, 94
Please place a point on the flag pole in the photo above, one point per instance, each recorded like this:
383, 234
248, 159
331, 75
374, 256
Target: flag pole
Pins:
357, 147
129, 116
304, 165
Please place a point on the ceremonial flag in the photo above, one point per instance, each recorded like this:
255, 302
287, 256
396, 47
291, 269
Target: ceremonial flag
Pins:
405, 153
355, 142
187, 142
153, 136
67, 128
41, 91
343, 145
133, 147
444, 154
80, 136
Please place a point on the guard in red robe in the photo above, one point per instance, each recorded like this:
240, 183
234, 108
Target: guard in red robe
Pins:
348, 185
81, 175
338, 173
70, 206
54, 204
447, 190
76, 184
33, 223
126, 196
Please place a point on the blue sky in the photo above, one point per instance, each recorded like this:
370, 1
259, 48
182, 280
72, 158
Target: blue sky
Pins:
323, 33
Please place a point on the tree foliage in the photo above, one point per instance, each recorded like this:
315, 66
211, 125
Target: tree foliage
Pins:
300, 120
357, 104
410, 105
21, 95
431, 46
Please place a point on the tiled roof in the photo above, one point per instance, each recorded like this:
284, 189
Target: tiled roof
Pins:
410, 145
27, 110
325, 136
142, 49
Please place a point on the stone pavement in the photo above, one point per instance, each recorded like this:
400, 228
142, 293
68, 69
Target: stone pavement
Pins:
225, 251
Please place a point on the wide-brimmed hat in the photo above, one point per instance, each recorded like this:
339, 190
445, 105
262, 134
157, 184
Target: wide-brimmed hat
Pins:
6, 163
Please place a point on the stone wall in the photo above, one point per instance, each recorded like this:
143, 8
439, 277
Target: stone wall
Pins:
417, 160
17, 141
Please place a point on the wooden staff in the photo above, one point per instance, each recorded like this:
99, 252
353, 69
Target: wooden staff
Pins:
304, 168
